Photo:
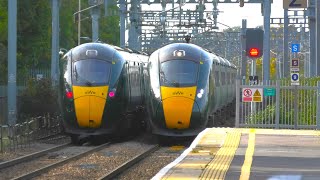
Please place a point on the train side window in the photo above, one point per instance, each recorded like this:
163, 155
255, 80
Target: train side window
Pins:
227, 78
217, 78
223, 78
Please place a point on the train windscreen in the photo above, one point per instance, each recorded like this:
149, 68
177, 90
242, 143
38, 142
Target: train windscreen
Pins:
178, 73
91, 72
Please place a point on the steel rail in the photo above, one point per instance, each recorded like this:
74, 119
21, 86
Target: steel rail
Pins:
129, 163
31, 156
52, 166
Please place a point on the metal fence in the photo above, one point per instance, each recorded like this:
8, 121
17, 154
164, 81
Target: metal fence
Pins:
21, 85
34, 74
22, 134
3, 109
282, 106
4, 101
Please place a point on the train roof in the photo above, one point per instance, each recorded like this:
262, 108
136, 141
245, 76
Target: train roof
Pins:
188, 52
100, 50
192, 52
93, 50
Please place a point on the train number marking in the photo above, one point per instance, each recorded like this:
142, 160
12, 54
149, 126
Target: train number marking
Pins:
287, 4
292, 4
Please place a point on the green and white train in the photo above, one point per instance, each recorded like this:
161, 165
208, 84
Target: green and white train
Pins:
101, 89
185, 86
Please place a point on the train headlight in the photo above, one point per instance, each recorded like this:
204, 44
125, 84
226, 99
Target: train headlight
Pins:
179, 53
157, 94
199, 95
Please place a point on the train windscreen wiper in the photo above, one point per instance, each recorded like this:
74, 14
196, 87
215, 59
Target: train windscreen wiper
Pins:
88, 83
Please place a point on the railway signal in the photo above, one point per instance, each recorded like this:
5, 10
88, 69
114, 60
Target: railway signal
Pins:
254, 42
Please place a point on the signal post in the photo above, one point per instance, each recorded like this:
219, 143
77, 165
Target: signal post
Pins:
254, 50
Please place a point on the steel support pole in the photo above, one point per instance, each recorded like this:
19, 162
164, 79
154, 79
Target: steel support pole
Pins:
122, 23
312, 31
253, 73
302, 49
79, 22
286, 59
318, 37
295, 106
133, 35
55, 42
95, 15
243, 51
238, 91
139, 29
277, 104
318, 105
12, 62
266, 39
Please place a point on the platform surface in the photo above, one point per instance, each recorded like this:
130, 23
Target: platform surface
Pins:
257, 154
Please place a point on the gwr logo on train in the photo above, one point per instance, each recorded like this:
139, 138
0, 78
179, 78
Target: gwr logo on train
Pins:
90, 92
177, 93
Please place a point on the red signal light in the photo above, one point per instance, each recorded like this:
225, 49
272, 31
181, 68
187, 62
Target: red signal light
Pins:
69, 94
254, 52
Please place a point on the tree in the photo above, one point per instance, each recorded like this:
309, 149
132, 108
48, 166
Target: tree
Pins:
34, 33
3, 40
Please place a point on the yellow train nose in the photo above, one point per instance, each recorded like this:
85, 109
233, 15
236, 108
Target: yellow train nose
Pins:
89, 105
177, 112
177, 106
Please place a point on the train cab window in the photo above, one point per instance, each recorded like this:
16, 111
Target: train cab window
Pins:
91, 72
178, 73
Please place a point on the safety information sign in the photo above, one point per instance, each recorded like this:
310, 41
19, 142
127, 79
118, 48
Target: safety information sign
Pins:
252, 94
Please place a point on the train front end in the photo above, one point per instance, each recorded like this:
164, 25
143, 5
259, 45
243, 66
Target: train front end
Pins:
179, 96
90, 81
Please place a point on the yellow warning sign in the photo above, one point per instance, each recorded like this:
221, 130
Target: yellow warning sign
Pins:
256, 99
257, 95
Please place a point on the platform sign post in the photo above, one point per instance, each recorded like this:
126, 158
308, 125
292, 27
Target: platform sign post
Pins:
294, 69
295, 79
295, 48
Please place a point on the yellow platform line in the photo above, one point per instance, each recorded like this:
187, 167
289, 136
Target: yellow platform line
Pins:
245, 170
283, 132
218, 167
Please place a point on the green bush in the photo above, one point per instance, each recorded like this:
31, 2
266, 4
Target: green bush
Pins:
260, 115
38, 98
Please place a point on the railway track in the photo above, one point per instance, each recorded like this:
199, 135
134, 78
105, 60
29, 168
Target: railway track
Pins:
59, 163
35, 164
129, 163
31, 156
108, 161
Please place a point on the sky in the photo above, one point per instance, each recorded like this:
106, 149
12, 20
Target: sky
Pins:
233, 14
